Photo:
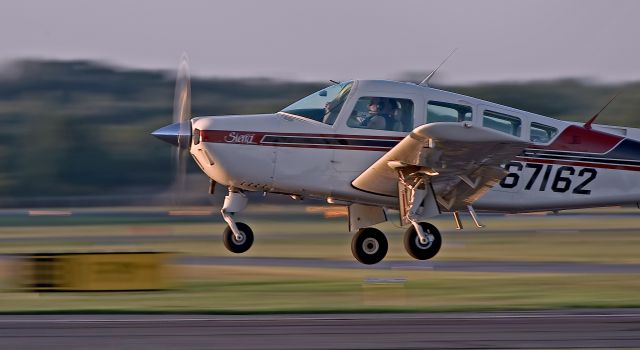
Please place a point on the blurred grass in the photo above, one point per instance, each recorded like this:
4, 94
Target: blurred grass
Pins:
225, 289
607, 236
554, 238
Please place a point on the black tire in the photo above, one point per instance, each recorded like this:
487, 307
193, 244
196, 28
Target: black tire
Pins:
422, 251
234, 245
369, 246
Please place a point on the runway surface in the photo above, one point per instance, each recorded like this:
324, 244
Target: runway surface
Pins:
435, 265
458, 266
525, 330
111, 239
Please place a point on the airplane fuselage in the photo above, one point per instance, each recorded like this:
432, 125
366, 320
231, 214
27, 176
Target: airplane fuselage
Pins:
285, 153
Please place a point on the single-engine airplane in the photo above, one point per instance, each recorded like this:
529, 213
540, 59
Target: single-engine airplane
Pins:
373, 145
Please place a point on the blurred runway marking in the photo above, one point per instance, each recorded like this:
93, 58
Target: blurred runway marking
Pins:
194, 212
49, 212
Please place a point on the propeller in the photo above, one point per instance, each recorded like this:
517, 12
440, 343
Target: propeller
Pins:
181, 117
179, 133
182, 103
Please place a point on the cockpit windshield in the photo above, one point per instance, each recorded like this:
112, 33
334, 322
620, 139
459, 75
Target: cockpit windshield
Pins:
322, 106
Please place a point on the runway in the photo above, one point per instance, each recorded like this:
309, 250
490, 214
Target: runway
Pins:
525, 330
110, 239
457, 266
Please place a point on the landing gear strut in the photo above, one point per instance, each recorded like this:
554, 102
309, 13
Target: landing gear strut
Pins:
238, 236
418, 202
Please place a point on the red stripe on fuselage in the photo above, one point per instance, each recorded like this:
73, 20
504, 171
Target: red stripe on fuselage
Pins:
257, 139
574, 138
348, 148
220, 135
231, 136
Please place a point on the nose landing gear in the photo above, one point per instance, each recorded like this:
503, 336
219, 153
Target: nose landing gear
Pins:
238, 236
238, 243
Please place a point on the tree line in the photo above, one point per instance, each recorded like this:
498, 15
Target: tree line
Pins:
81, 128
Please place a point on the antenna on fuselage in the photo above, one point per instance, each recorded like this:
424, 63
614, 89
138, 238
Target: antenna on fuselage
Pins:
587, 125
334, 82
425, 81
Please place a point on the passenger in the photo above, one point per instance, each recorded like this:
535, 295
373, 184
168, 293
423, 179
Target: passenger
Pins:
396, 114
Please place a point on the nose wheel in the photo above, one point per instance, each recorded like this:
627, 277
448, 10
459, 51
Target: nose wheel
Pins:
241, 242
419, 249
238, 236
369, 245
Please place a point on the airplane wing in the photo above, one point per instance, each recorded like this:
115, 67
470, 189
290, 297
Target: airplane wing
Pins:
462, 162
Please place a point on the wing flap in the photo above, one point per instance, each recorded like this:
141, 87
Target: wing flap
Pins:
463, 162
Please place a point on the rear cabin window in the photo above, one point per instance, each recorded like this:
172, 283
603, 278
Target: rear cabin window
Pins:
541, 133
502, 122
382, 113
447, 112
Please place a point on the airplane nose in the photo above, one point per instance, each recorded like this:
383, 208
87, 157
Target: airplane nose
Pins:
177, 134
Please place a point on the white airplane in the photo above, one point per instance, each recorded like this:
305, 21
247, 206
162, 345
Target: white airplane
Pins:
374, 145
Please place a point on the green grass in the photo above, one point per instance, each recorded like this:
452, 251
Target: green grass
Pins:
243, 289
216, 289
510, 238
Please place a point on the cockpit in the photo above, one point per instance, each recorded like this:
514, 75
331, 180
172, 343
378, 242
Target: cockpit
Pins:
323, 106
369, 109
371, 106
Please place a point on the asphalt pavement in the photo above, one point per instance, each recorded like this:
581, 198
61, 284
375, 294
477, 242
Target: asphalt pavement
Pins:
513, 330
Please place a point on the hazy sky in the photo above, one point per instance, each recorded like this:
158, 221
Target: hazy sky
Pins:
336, 39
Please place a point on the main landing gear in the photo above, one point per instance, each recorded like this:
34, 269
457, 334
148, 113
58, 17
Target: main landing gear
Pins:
419, 249
369, 245
417, 202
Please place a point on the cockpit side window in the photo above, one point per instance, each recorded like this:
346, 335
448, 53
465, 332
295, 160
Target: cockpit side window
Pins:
382, 113
502, 122
322, 106
447, 112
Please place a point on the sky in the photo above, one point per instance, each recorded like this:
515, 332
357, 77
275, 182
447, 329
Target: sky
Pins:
496, 40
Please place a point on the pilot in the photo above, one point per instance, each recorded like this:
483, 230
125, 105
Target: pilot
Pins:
378, 115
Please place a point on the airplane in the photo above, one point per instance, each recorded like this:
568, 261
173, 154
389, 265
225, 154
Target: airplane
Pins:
374, 145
